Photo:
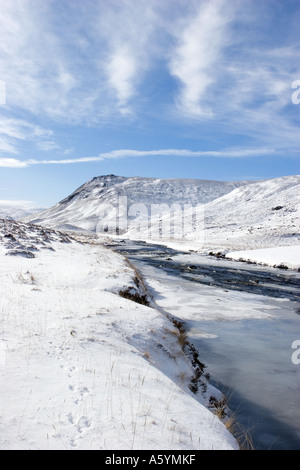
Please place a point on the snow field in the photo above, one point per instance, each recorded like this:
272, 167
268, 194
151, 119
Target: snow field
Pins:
284, 256
87, 369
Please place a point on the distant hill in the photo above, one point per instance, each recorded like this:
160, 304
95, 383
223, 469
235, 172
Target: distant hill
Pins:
263, 214
237, 215
17, 210
92, 202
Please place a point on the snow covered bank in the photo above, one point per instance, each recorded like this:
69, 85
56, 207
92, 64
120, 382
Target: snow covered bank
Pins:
82, 367
284, 257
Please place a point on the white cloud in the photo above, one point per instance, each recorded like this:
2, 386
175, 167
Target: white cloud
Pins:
232, 153
258, 99
12, 163
6, 146
121, 71
129, 31
126, 153
199, 46
230, 67
24, 204
14, 131
72, 62
39, 61
89, 63
47, 145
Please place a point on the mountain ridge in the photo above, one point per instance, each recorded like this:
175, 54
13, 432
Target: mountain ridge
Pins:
237, 214
107, 189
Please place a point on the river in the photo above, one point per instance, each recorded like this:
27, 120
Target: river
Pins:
243, 320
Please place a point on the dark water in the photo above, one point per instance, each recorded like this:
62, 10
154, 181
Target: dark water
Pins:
248, 359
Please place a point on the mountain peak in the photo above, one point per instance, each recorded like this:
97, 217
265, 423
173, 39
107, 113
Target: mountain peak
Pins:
104, 177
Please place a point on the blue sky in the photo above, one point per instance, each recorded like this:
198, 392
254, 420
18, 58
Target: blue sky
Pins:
174, 88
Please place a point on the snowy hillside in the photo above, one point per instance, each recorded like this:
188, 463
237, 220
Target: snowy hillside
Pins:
83, 367
258, 215
261, 215
200, 214
93, 202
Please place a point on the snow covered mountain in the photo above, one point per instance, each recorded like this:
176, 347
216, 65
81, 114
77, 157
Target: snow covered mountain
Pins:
260, 215
93, 202
229, 215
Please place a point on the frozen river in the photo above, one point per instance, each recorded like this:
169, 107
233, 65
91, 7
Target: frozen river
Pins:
243, 320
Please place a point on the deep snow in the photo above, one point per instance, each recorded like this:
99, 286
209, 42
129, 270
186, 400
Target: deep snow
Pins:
82, 367
284, 257
261, 215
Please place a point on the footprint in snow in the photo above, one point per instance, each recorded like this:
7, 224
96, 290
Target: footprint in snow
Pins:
84, 391
83, 424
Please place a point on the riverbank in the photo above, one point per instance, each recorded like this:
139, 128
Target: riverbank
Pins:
82, 367
243, 318
282, 257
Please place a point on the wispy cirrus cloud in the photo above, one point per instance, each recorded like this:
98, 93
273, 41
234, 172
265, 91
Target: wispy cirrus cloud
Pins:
14, 132
121, 70
13, 163
133, 153
130, 50
200, 44
23, 204
90, 63
82, 68
239, 81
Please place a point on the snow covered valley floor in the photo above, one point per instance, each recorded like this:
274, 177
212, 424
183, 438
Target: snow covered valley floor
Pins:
243, 320
82, 367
